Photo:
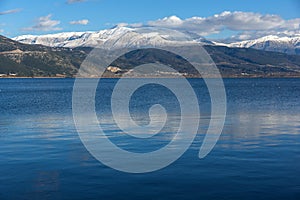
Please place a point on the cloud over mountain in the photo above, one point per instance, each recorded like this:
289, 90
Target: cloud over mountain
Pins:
80, 22
240, 25
44, 23
245, 23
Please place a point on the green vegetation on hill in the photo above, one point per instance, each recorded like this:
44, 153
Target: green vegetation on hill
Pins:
36, 60
234, 61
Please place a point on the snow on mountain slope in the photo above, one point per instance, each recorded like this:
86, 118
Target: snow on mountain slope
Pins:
73, 39
121, 36
290, 45
115, 37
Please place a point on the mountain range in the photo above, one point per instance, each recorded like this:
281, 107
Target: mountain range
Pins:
129, 37
118, 37
61, 54
289, 45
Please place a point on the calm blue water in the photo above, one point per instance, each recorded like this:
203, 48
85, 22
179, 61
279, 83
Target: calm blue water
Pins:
257, 156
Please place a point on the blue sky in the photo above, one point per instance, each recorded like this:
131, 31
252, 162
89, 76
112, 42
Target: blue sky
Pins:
19, 17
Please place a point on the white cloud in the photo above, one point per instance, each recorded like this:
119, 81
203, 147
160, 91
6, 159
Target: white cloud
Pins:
75, 1
123, 24
81, 22
44, 23
247, 22
136, 25
10, 11
172, 21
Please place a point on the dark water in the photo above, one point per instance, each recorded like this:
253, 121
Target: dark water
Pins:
257, 156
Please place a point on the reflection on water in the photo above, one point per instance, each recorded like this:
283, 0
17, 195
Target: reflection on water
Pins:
257, 156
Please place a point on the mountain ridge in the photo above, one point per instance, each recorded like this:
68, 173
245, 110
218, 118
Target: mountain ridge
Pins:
32, 60
289, 45
116, 37
129, 37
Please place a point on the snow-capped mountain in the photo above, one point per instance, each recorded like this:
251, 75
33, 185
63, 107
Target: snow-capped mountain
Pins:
115, 37
289, 45
121, 36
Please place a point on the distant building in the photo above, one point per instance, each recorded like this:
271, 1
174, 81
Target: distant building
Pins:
113, 69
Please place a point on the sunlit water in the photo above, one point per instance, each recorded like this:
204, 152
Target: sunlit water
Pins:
257, 156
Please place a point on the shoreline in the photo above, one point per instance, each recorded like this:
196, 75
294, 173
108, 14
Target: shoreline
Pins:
232, 77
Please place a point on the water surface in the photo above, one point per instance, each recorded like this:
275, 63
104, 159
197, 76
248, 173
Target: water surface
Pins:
257, 156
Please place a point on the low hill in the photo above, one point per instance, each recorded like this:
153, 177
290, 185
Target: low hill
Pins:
37, 60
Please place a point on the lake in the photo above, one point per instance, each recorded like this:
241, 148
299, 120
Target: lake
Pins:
256, 157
